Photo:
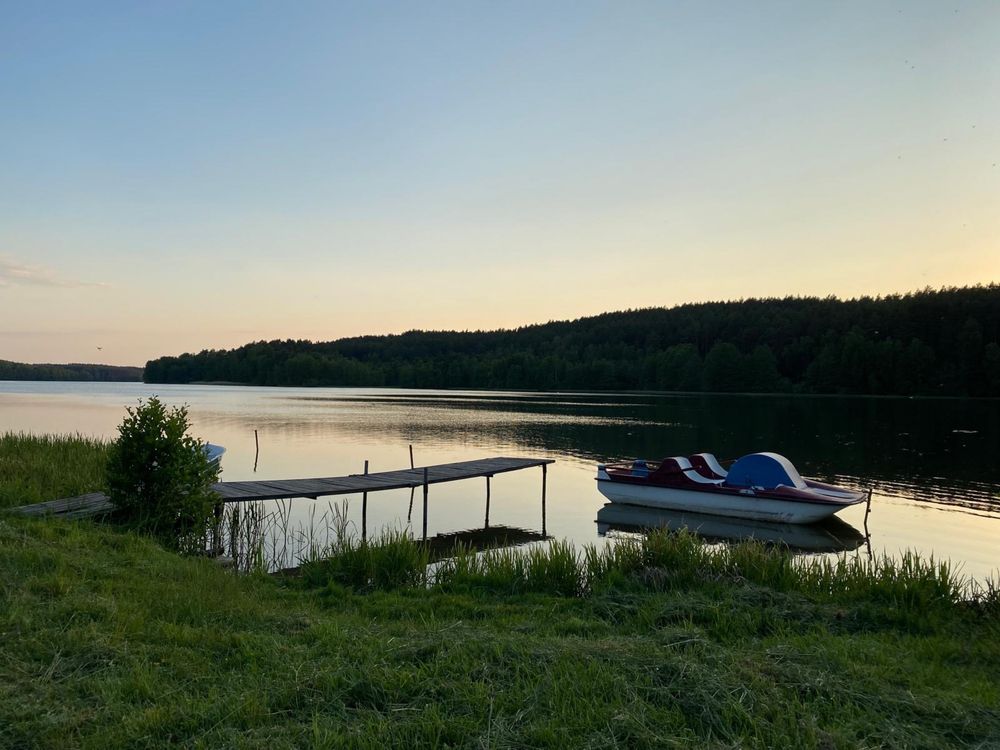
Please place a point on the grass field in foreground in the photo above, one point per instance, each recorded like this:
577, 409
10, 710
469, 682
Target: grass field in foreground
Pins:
107, 640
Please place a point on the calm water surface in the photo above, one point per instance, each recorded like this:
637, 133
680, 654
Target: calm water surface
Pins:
932, 463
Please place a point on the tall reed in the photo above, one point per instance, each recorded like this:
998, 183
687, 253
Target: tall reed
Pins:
261, 537
36, 468
663, 560
391, 561
328, 550
552, 568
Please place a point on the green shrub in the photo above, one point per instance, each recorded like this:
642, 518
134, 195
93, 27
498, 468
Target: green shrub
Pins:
159, 477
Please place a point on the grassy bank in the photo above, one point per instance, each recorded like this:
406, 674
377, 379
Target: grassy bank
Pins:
107, 640
36, 468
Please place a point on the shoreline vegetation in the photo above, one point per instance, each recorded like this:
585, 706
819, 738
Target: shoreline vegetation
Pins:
110, 640
928, 343
75, 372
37, 468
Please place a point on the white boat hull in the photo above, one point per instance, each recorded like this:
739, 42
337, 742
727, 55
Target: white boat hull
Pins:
213, 453
717, 503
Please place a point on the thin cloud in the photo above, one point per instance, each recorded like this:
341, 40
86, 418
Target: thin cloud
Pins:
18, 274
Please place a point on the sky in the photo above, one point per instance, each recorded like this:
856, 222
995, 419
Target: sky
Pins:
176, 176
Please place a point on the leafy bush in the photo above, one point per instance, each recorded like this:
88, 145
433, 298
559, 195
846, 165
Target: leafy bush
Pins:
159, 477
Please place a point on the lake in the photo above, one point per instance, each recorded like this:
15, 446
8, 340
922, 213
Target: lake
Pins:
931, 463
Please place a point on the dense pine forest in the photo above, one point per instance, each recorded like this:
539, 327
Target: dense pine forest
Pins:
112, 373
932, 342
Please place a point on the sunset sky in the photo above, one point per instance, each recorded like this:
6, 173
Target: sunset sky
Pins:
186, 175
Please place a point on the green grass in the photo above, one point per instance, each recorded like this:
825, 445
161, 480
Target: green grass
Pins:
107, 640
34, 468
393, 561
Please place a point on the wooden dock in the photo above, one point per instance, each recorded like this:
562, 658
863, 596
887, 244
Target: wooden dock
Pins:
97, 503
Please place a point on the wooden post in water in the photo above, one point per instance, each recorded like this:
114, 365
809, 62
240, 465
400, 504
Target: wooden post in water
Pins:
425, 503
256, 451
868, 535
487, 501
544, 472
868, 509
364, 510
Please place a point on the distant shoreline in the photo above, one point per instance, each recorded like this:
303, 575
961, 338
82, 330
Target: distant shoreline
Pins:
927, 343
72, 372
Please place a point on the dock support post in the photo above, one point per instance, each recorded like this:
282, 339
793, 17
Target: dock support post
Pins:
544, 473
425, 503
364, 510
217, 546
409, 513
487, 501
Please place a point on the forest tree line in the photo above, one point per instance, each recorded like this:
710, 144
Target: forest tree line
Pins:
78, 372
932, 342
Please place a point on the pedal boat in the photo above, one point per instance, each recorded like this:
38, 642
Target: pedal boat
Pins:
758, 486
213, 453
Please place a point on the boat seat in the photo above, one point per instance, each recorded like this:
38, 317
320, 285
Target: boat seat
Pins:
708, 465
672, 465
694, 476
640, 468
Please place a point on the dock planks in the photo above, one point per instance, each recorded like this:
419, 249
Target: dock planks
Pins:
96, 503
